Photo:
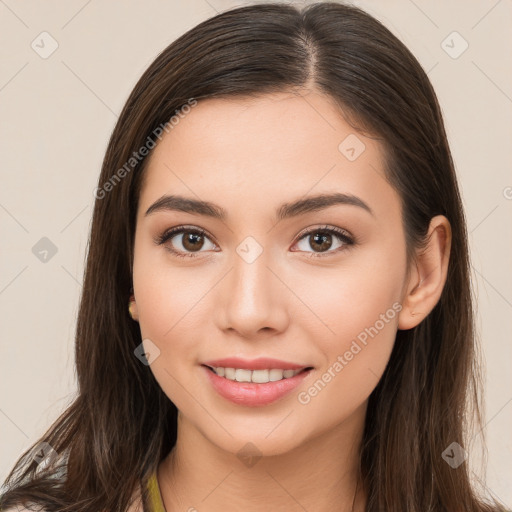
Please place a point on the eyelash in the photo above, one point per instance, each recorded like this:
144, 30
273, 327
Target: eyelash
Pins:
341, 234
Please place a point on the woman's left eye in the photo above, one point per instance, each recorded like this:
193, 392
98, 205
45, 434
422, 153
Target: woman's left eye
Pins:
322, 238
319, 238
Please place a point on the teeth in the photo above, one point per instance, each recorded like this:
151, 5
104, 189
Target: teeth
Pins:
229, 373
243, 375
258, 376
275, 374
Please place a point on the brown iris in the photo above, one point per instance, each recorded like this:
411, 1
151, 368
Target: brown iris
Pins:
323, 241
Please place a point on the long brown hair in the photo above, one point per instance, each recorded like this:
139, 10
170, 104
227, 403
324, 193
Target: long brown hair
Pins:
121, 424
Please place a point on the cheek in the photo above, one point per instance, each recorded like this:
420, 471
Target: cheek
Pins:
362, 324
167, 296
169, 305
353, 297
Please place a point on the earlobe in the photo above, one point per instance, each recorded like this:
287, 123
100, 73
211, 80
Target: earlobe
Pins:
132, 308
426, 283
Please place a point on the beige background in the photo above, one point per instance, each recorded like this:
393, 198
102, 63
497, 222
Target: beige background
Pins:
57, 114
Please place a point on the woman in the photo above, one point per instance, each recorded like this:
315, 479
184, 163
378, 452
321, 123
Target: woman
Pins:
319, 354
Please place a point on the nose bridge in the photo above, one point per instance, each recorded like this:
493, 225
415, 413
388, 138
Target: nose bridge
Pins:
252, 280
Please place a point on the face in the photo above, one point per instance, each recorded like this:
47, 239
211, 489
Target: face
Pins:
316, 287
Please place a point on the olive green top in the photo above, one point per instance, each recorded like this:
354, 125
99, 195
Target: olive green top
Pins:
155, 498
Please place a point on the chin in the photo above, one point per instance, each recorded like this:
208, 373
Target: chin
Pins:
257, 440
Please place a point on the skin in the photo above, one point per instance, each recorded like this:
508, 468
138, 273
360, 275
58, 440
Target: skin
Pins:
251, 155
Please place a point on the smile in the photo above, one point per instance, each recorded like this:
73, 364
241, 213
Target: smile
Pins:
254, 388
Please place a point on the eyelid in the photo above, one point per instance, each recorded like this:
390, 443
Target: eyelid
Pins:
325, 227
160, 239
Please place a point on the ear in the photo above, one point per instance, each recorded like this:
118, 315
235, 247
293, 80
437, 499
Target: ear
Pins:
426, 282
132, 308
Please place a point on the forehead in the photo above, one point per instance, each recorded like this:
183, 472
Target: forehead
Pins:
252, 152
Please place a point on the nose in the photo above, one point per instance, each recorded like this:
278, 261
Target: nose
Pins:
253, 299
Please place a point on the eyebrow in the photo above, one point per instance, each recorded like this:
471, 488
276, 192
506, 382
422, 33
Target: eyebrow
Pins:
285, 211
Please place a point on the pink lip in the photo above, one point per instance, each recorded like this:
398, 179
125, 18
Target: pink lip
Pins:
252, 394
262, 363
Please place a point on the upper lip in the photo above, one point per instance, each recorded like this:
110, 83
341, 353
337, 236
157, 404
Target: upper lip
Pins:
261, 363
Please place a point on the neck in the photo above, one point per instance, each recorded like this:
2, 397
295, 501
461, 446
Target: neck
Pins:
319, 475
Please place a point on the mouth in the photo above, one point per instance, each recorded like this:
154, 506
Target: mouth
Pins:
254, 383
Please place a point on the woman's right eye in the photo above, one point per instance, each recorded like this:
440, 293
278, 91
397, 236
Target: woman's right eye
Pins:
187, 239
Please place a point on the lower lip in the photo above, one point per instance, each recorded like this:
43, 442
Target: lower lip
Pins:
252, 394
